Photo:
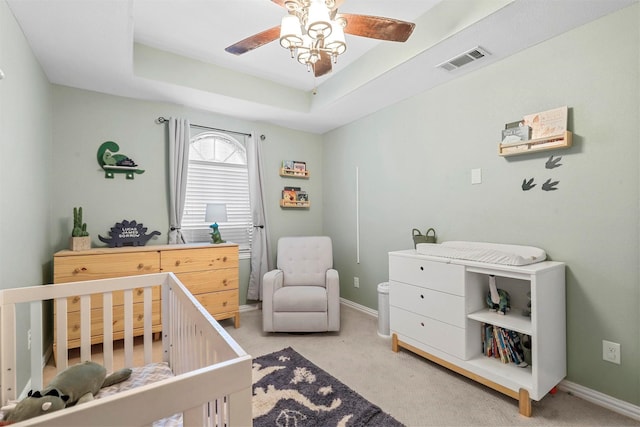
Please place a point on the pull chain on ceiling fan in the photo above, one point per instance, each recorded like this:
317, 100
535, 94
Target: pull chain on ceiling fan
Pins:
313, 32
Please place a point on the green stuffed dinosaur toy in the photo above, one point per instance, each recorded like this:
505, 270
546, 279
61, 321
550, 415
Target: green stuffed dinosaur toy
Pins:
76, 384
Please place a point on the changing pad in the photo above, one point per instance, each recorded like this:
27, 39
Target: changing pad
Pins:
492, 253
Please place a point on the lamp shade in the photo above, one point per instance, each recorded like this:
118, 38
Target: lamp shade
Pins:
216, 212
290, 32
336, 41
319, 23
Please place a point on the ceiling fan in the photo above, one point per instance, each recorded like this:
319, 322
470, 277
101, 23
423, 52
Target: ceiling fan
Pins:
314, 30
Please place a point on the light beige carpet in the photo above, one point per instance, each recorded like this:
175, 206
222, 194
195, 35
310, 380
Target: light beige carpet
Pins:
414, 391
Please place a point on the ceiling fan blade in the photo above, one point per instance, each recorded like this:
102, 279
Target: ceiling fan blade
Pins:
256, 40
323, 65
376, 27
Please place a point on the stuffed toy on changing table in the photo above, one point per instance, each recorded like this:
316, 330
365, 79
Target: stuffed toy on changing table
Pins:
76, 384
498, 299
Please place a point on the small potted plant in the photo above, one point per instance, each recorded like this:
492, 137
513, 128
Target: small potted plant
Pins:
80, 240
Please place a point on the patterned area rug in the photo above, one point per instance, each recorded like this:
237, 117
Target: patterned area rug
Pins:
289, 390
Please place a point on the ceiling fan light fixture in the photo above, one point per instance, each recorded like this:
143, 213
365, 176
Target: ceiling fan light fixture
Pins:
318, 21
290, 32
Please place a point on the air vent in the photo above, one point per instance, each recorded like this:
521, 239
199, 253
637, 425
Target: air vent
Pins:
464, 59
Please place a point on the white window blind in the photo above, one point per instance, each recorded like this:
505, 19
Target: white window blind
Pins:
217, 174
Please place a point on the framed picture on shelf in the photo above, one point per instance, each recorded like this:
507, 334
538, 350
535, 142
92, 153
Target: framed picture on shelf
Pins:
287, 164
299, 168
302, 196
289, 194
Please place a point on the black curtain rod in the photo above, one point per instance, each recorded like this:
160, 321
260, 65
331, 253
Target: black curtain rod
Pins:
161, 120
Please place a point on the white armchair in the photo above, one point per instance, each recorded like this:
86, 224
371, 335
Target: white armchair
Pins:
303, 293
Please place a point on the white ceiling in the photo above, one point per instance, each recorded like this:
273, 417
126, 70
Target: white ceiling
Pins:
173, 51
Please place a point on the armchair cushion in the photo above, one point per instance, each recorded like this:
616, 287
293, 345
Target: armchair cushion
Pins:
300, 298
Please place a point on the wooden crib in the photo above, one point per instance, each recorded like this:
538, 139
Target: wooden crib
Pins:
211, 382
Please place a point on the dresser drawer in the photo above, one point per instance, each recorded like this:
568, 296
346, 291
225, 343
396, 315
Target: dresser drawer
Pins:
435, 275
219, 302
185, 260
104, 266
441, 336
436, 305
212, 280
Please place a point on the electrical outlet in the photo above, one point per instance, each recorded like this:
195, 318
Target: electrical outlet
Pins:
29, 339
611, 351
356, 282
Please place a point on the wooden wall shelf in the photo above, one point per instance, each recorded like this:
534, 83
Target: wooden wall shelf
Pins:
298, 204
563, 140
291, 173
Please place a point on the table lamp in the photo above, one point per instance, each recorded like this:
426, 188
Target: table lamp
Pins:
216, 212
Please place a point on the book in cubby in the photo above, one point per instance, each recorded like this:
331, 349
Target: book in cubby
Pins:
503, 344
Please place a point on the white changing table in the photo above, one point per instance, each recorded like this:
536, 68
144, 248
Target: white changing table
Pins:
437, 307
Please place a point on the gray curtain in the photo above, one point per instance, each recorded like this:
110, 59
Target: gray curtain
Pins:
178, 167
260, 247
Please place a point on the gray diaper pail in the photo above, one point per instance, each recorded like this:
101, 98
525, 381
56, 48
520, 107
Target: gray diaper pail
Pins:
383, 310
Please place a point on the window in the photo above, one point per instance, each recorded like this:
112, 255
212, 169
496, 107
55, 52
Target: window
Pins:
217, 174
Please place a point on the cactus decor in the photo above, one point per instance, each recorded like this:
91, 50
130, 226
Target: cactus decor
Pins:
79, 228
80, 239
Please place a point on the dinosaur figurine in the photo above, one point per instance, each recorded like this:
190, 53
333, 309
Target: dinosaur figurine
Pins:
128, 233
498, 299
116, 163
74, 385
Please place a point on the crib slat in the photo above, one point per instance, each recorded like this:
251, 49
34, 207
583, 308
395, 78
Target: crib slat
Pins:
85, 327
128, 327
107, 342
148, 332
61, 334
36, 344
8, 376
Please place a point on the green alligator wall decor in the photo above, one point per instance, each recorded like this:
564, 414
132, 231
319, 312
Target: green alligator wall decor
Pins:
113, 163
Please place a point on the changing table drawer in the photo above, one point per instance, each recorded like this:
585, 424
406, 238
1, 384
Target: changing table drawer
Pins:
435, 275
426, 302
439, 335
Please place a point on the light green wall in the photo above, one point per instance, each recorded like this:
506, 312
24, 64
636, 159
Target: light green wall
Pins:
85, 119
25, 124
415, 160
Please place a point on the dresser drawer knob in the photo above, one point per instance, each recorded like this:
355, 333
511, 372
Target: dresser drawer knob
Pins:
224, 282
421, 323
224, 259
421, 268
75, 300
224, 304
177, 263
140, 266
421, 296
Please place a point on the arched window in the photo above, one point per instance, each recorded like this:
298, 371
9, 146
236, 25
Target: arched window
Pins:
217, 174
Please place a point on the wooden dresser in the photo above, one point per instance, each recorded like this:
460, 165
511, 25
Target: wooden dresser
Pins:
209, 271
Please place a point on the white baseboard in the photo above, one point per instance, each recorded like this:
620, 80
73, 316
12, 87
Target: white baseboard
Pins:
362, 308
601, 399
250, 307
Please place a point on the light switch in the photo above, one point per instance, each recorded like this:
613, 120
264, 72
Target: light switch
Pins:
476, 176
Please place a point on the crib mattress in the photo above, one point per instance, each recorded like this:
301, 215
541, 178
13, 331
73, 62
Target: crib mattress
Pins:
144, 375
492, 253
